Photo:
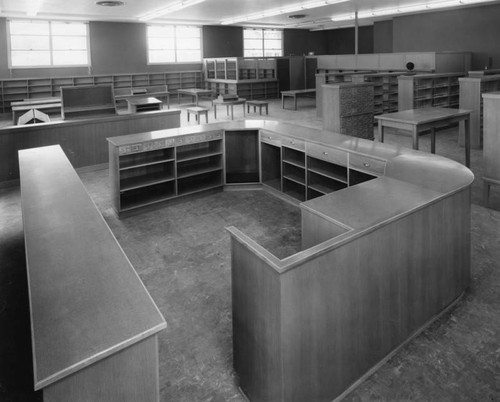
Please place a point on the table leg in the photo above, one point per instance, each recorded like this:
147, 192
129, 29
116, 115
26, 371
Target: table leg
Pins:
196, 99
232, 112
467, 141
227, 110
215, 110
415, 137
486, 193
243, 109
282, 101
433, 140
380, 131
295, 102
267, 109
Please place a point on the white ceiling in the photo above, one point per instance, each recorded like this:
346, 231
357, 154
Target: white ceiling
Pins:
210, 12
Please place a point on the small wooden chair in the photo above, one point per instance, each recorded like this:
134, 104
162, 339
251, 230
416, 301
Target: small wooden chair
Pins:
259, 104
197, 111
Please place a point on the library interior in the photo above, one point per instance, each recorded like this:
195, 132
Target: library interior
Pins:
266, 200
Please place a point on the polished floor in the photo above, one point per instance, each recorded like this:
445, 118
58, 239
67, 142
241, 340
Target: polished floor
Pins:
181, 252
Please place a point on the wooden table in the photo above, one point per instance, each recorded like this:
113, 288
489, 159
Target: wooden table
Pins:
229, 103
294, 94
195, 93
136, 105
416, 120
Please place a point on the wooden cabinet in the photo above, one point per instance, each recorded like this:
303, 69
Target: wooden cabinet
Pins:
246, 77
471, 89
491, 138
385, 90
428, 90
146, 171
241, 151
348, 109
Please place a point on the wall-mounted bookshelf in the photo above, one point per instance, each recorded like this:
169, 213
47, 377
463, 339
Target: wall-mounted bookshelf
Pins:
18, 89
428, 90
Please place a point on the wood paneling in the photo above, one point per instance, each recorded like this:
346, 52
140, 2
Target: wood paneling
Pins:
83, 141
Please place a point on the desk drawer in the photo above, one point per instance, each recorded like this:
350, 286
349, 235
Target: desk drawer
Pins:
367, 164
328, 154
293, 143
270, 138
195, 138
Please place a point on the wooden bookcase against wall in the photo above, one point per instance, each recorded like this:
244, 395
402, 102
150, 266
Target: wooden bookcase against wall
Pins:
18, 89
247, 77
150, 171
471, 89
428, 90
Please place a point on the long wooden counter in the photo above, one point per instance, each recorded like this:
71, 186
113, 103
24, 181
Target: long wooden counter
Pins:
94, 325
381, 257
82, 139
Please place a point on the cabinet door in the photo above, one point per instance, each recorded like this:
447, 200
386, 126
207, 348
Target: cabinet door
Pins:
242, 156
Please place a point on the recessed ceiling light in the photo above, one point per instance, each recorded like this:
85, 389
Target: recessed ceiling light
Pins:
110, 3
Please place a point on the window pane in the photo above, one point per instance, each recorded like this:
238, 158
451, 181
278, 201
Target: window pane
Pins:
272, 44
188, 32
188, 55
253, 53
161, 56
69, 43
188, 43
70, 58
161, 43
29, 28
272, 34
252, 44
272, 53
30, 58
30, 42
69, 29
252, 34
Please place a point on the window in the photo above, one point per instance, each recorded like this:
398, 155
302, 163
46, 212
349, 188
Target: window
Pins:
48, 43
262, 43
173, 44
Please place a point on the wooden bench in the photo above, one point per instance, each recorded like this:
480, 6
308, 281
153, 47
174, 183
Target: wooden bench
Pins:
197, 111
94, 325
294, 94
257, 104
87, 100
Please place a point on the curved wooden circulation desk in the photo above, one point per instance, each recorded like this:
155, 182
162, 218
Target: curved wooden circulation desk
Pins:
381, 258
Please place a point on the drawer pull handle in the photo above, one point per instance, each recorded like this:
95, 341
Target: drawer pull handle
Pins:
325, 153
366, 164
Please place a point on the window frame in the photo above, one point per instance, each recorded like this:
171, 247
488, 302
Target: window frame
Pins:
263, 42
176, 47
51, 49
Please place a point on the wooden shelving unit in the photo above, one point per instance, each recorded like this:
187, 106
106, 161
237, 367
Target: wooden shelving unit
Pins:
18, 89
249, 78
471, 89
385, 90
155, 171
428, 90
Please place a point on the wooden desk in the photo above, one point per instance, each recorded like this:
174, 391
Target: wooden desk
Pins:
294, 94
94, 326
195, 93
229, 104
137, 105
415, 120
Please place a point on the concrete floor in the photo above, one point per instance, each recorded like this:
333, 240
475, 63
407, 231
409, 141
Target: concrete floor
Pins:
181, 252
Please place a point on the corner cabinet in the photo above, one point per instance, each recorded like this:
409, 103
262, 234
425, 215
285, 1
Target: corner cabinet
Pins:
150, 171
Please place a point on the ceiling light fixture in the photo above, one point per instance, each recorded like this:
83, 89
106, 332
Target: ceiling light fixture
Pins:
431, 5
175, 6
280, 10
110, 3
